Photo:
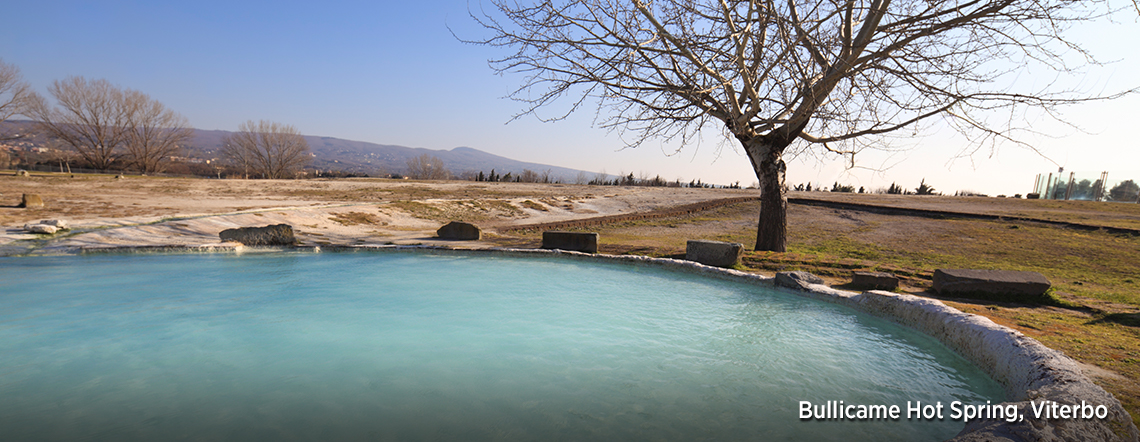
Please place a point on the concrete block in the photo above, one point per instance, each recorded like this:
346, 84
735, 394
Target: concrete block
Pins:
989, 282
875, 280
576, 241
714, 253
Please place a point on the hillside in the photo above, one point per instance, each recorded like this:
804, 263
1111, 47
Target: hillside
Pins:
335, 154
371, 158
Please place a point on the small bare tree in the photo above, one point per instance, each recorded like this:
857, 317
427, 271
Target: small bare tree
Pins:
270, 150
810, 76
581, 178
427, 167
91, 118
529, 176
155, 132
15, 94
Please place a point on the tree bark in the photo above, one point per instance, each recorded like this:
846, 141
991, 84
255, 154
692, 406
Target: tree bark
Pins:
772, 228
767, 155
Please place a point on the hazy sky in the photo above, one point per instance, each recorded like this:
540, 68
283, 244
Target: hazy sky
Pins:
391, 72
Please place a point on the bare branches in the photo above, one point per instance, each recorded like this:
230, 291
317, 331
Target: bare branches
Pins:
267, 149
155, 132
831, 76
98, 120
91, 117
15, 94
427, 167
838, 69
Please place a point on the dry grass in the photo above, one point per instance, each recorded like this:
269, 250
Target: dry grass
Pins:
463, 210
356, 218
533, 205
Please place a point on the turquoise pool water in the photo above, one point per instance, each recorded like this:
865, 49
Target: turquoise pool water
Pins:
414, 346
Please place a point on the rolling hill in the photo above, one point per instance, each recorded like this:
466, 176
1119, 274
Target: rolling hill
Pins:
335, 154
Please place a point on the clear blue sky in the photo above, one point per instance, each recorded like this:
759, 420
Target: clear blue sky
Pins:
392, 73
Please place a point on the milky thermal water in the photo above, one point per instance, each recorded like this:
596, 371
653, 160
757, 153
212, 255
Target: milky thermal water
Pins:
418, 346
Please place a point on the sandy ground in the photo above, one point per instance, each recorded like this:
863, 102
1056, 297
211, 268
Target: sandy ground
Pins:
143, 211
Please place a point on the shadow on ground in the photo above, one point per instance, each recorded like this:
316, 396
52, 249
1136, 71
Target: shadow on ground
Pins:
1127, 319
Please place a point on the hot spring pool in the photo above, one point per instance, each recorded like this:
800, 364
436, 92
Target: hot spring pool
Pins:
417, 346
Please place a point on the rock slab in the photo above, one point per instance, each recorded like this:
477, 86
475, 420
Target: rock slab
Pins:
40, 228
875, 280
31, 201
575, 241
797, 280
275, 235
989, 282
460, 231
48, 226
714, 253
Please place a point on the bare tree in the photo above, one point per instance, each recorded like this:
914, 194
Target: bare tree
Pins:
834, 76
97, 117
15, 94
529, 176
427, 167
91, 118
271, 150
155, 132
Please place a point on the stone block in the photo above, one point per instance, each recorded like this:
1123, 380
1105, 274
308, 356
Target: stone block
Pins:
576, 241
460, 231
714, 253
990, 282
875, 280
276, 235
797, 280
31, 201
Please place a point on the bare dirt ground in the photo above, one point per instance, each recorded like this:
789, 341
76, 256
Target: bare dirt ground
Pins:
1095, 319
106, 211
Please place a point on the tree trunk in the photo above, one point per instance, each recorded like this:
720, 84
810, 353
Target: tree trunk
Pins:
772, 229
767, 156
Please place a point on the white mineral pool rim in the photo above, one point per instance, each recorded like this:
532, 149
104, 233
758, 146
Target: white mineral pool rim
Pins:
1027, 369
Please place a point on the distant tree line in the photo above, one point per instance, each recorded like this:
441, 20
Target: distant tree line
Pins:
600, 179
894, 189
110, 128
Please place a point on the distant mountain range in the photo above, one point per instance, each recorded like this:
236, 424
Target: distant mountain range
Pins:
373, 159
357, 156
